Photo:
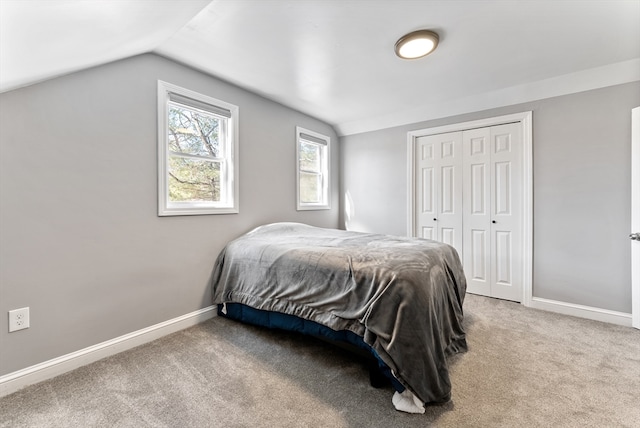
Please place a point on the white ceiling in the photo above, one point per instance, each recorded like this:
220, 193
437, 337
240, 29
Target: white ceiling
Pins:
334, 59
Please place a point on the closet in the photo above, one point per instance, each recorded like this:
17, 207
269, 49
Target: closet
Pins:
468, 193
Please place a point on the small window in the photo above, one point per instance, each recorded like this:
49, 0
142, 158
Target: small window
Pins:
197, 153
313, 170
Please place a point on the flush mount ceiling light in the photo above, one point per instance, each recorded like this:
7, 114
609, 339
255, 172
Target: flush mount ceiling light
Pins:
416, 44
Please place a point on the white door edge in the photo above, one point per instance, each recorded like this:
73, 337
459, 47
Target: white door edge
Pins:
635, 216
525, 119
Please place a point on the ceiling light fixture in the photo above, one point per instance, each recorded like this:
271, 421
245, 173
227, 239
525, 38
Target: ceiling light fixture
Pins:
416, 44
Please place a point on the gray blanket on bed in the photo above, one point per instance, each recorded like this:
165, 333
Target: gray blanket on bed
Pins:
402, 295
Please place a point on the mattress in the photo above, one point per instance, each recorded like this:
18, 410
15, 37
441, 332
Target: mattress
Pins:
344, 339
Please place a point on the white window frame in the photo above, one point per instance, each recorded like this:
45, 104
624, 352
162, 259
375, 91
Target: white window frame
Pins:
167, 93
308, 136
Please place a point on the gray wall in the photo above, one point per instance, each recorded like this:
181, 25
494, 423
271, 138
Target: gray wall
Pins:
80, 240
581, 191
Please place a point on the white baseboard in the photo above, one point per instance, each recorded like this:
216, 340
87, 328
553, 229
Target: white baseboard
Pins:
597, 314
12, 382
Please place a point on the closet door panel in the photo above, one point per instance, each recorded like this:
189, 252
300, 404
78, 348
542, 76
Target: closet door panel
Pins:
502, 180
427, 190
449, 236
503, 258
449, 219
506, 215
426, 187
428, 233
476, 204
439, 189
476, 267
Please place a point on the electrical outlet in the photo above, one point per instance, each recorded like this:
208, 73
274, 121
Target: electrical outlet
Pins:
18, 319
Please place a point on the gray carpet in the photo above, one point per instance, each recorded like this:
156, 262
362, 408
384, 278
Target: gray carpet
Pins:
524, 368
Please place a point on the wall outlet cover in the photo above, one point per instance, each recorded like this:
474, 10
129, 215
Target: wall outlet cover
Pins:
18, 319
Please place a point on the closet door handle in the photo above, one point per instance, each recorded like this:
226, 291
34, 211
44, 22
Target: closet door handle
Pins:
493, 221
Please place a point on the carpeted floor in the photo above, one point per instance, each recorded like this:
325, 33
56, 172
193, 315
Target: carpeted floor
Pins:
524, 368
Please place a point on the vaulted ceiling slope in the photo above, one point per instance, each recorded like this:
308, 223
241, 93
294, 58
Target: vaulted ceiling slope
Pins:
334, 59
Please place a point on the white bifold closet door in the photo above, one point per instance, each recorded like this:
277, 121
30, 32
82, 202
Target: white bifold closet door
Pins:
492, 211
468, 189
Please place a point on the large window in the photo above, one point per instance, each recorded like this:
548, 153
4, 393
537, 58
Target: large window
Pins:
313, 170
197, 153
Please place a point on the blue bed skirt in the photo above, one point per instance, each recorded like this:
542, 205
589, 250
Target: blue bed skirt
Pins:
276, 320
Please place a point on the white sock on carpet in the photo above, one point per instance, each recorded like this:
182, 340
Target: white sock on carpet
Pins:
407, 402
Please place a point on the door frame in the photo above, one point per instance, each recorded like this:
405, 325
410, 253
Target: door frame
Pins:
525, 120
635, 216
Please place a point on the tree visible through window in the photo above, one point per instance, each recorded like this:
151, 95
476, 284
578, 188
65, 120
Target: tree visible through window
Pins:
198, 140
194, 149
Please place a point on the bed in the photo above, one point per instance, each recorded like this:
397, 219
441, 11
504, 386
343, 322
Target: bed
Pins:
398, 298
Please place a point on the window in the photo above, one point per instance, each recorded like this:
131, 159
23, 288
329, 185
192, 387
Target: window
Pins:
197, 153
313, 170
